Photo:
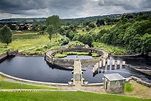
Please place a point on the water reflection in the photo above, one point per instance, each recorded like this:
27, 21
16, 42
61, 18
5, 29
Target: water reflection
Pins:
108, 68
34, 68
76, 57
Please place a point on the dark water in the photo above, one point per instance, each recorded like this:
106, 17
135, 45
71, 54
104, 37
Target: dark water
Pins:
140, 62
36, 68
75, 57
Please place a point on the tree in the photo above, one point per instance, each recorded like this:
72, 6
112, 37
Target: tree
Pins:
91, 25
6, 35
100, 22
54, 21
50, 31
70, 34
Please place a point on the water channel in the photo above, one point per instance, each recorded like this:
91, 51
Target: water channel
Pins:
37, 69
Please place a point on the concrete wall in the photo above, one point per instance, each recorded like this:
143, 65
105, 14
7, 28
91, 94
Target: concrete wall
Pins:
49, 57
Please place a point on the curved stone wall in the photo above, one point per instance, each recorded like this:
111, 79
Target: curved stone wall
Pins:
49, 57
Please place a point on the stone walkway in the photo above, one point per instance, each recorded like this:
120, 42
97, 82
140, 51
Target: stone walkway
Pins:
62, 89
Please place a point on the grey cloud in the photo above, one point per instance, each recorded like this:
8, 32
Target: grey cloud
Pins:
127, 4
54, 6
69, 8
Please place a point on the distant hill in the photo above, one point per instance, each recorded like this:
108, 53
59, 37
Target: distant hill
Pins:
31, 20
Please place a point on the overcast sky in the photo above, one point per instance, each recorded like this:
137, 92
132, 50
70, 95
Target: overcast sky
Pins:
69, 8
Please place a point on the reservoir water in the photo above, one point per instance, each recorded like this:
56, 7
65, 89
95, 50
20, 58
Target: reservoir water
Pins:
37, 69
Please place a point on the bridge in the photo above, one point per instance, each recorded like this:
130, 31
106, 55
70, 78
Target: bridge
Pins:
77, 79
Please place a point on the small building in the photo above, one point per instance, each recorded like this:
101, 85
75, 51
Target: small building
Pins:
114, 83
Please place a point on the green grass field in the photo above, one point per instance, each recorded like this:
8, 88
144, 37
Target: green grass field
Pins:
96, 30
63, 96
16, 85
31, 43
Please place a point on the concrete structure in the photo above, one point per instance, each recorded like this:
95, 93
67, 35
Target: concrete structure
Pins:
77, 79
50, 57
114, 83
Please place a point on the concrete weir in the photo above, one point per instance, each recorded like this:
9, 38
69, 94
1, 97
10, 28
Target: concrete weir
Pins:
49, 57
77, 79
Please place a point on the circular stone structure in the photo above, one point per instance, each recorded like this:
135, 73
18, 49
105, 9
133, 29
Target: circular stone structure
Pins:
50, 57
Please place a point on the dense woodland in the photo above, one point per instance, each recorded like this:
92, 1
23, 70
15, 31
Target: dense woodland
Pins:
130, 31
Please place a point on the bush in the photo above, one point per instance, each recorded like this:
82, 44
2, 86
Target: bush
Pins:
128, 87
59, 55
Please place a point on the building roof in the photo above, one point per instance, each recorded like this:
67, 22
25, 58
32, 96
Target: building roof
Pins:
114, 77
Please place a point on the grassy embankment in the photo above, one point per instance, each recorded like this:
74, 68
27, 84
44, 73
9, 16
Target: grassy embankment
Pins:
110, 49
95, 30
63, 96
16, 85
138, 90
31, 43
6, 83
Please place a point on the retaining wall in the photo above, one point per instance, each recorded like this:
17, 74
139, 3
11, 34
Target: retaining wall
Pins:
138, 80
49, 57
6, 54
3, 56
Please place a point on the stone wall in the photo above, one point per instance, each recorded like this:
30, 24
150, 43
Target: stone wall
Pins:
49, 57
138, 80
6, 54
3, 56
114, 87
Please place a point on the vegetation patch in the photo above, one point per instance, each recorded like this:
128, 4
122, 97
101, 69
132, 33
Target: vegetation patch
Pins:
128, 87
59, 55
95, 55
64, 54
63, 96
25, 36
111, 49
77, 53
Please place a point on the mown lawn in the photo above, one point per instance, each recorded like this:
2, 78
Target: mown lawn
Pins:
16, 85
63, 96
